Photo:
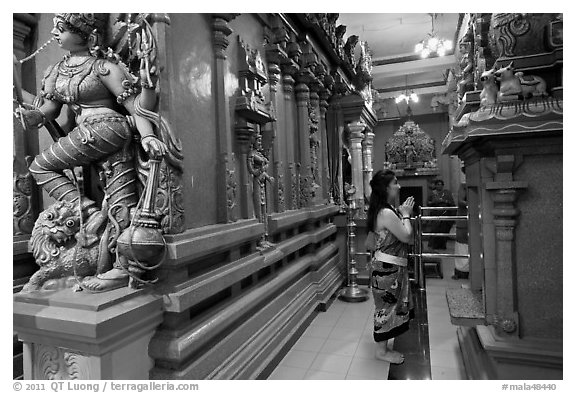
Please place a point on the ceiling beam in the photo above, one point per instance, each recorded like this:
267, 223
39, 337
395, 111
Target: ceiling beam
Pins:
414, 67
424, 88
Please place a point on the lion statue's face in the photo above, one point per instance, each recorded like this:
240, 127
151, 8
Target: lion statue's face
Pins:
60, 222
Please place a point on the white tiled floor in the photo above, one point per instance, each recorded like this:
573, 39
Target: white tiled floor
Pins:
338, 344
445, 358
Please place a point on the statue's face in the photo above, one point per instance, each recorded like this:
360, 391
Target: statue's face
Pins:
66, 39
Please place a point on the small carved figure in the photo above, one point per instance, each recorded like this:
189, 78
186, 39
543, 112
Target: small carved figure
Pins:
340, 31
532, 85
257, 167
466, 76
349, 49
60, 249
510, 87
489, 89
409, 153
517, 84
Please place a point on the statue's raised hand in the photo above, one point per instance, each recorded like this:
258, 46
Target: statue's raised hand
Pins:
154, 146
31, 118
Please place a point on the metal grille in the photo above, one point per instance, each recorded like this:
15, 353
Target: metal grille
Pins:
418, 253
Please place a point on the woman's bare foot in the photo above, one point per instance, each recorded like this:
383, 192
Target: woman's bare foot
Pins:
389, 355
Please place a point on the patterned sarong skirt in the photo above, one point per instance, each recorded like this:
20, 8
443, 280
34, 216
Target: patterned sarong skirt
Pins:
392, 299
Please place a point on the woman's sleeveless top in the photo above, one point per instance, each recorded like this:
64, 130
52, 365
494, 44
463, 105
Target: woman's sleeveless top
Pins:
390, 244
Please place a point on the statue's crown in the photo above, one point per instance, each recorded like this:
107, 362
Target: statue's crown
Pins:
85, 23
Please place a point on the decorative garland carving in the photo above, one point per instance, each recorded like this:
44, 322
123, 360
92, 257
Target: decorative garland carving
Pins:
280, 172
23, 215
53, 363
314, 143
509, 27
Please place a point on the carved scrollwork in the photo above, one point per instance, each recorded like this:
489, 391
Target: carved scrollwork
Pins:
23, 215
295, 173
508, 27
53, 363
280, 182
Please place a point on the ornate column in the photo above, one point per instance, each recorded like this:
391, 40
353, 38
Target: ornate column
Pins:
274, 55
324, 95
227, 193
505, 191
316, 143
289, 68
356, 138
304, 168
367, 145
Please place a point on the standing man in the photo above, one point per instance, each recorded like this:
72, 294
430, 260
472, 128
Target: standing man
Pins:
461, 265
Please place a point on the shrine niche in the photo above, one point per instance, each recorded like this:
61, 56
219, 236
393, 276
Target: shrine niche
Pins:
410, 149
250, 103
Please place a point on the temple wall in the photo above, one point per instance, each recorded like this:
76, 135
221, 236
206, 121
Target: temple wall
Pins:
225, 306
538, 265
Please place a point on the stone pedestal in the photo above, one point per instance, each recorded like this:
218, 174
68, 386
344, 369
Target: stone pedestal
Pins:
79, 335
513, 157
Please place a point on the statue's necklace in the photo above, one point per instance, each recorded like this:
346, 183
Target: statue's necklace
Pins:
72, 69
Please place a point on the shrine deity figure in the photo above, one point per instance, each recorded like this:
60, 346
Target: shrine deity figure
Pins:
114, 128
466, 75
258, 167
409, 153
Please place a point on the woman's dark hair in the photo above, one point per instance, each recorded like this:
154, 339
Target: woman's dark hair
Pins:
379, 196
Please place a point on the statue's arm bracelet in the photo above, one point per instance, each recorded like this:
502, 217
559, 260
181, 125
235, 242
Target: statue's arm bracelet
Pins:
129, 90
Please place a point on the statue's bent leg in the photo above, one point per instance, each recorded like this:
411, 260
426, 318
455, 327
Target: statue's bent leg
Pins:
89, 142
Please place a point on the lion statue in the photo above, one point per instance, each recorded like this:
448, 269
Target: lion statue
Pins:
62, 251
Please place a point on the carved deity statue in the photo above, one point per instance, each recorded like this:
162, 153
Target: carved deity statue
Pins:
466, 75
112, 96
258, 167
409, 153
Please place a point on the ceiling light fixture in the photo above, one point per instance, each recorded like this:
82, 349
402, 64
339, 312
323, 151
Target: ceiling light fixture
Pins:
408, 97
432, 44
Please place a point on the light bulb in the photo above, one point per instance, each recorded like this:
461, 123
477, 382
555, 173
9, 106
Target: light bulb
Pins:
419, 47
447, 45
425, 53
441, 51
414, 97
433, 43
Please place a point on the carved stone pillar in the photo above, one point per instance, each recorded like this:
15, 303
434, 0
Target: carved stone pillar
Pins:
226, 178
291, 194
244, 133
367, 146
278, 199
324, 95
24, 188
305, 176
504, 191
316, 143
356, 138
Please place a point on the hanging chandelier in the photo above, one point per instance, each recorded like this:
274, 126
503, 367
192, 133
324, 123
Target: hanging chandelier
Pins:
432, 43
408, 97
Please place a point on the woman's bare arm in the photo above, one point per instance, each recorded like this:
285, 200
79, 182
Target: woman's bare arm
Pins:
401, 228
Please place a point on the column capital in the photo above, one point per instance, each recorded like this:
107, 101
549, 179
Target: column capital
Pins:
357, 130
302, 93
221, 31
